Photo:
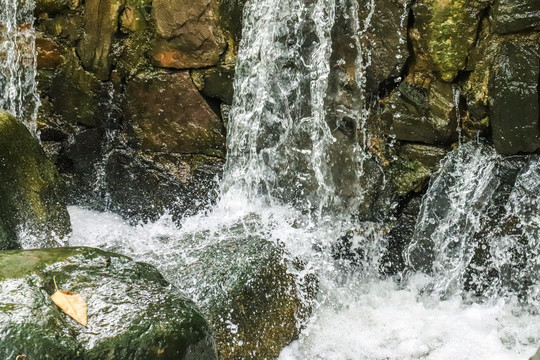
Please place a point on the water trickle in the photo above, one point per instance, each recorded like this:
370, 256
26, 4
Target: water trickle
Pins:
18, 88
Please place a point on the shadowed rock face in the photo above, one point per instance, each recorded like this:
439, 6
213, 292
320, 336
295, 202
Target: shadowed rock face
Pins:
133, 313
513, 89
166, 113
31, 198
515, 15
100, 24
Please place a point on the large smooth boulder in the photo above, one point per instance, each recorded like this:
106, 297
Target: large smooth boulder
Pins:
514, 102
166, 113
133, 313
32, 207
254, 294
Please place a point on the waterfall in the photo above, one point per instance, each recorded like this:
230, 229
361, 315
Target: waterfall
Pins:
18, 88
292, 143
280, 137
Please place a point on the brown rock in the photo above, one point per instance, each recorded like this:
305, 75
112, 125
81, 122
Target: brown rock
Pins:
48, 54
189, 35
100, 24
166, 113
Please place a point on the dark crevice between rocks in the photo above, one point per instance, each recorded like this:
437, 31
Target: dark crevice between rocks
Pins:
390, 84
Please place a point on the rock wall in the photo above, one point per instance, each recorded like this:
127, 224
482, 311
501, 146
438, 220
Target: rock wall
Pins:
136, 93
133, 95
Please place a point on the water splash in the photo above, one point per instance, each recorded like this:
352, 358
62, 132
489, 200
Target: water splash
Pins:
478, 227
18, 87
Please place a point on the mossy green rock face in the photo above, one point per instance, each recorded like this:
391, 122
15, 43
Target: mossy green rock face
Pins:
448, 31
132, 312
32, 208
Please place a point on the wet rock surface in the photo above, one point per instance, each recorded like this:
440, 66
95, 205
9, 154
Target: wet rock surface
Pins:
513, 90
189, 34
132, 311
32, 203
156, 122
516, 15
252, 292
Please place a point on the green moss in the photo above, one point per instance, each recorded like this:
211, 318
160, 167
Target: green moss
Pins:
449, 29
30, 195
409, 176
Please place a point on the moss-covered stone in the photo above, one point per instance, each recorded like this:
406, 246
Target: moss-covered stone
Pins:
132, 312
32, 208
448, 31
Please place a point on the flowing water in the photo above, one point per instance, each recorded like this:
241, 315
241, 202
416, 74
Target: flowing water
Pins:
18, 88
461, 297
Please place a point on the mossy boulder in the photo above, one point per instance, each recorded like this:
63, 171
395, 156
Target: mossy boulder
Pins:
448, 31
32, 208
133, 313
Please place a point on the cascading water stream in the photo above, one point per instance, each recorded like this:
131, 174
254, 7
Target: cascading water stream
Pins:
18, 87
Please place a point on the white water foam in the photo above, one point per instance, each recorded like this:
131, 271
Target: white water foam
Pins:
355, 318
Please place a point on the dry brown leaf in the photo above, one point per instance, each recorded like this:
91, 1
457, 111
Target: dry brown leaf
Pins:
72, 304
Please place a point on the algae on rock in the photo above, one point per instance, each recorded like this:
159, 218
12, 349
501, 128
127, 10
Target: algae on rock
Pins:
32, 208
